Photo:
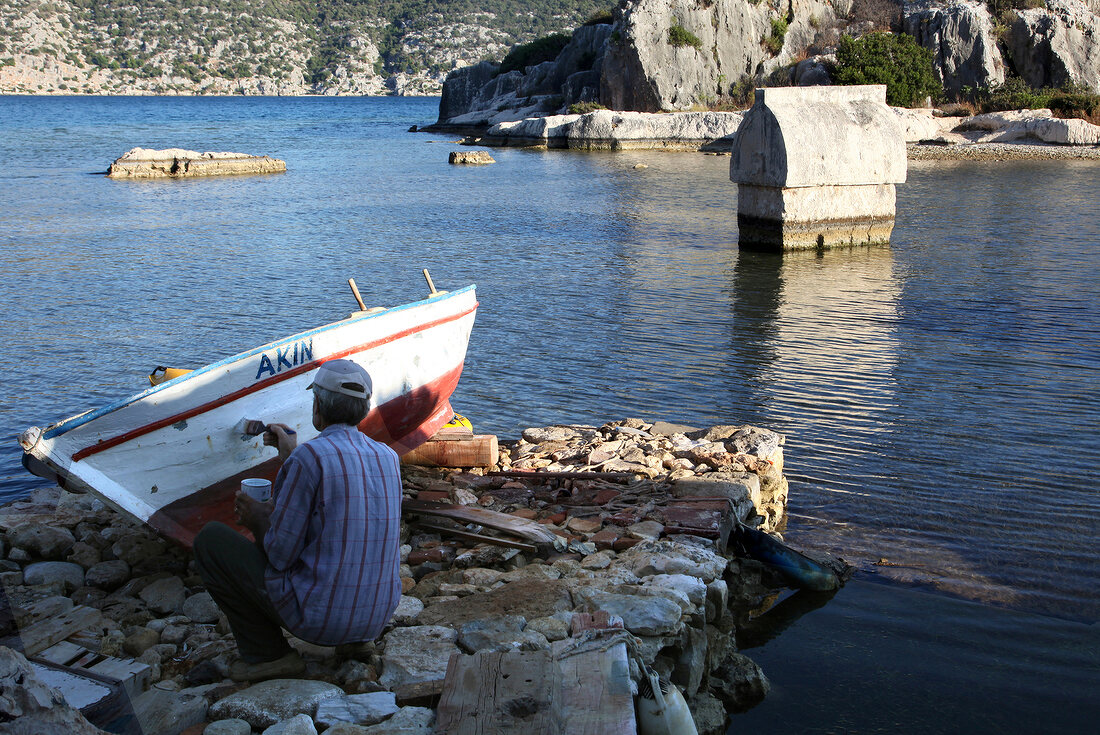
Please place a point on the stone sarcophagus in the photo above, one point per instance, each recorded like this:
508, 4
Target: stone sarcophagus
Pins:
816, 168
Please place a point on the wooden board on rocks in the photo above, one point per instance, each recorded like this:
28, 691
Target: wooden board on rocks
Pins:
538, 693
45, 633
131, 675
455, 451
534, 532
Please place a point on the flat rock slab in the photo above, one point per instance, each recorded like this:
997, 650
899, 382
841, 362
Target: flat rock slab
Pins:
175, 163
407, 721
641, 614
358, 709
505, 633
264, 704
417, 654
530, 598
668, 557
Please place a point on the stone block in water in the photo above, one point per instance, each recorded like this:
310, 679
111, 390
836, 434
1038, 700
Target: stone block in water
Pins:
817, 167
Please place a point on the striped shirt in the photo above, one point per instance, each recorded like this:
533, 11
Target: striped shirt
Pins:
332, 547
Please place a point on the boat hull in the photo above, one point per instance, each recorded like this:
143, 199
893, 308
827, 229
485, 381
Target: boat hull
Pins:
173, 455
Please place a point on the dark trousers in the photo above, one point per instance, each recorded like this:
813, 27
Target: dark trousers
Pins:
232, 568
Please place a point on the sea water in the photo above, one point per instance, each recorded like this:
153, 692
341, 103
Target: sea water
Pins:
940, 396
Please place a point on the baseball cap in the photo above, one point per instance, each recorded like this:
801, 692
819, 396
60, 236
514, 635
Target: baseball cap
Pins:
343, 376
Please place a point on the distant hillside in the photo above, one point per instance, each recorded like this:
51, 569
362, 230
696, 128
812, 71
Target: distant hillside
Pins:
262, 46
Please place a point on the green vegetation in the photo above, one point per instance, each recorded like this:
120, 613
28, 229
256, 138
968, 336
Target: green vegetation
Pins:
679, 36
894, 60
542, 49
774, 42
600, 17
583, 108
1015, 94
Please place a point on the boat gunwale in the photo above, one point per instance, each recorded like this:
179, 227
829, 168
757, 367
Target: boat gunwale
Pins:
65, 425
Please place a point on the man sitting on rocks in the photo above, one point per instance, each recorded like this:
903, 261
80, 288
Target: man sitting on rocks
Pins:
325, 561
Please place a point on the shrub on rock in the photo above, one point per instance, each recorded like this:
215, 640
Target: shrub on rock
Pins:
894, 60
542, 49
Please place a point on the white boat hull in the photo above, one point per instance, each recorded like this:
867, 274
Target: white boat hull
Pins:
172, 455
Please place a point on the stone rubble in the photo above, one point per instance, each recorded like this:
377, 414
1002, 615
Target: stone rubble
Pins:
619, 550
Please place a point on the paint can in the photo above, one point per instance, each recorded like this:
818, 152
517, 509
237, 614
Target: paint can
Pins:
257, 488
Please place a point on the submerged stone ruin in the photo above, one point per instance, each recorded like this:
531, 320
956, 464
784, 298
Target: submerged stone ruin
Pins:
177, 163
816, 168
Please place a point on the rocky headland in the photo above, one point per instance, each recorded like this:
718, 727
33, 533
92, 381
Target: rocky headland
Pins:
629, 508
669, 75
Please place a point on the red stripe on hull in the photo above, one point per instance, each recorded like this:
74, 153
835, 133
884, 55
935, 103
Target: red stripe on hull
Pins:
403, 423
261, 385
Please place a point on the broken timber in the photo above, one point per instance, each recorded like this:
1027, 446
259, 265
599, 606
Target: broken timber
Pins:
540, 475
477, 538
39, 636
131, 675
528, 530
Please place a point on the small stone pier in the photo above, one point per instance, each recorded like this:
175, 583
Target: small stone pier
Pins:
816, 168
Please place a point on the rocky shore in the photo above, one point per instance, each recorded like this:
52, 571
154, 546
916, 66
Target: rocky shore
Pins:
1001, 152
929, 134
629, 512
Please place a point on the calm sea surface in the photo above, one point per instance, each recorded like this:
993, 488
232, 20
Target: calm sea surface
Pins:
940, 397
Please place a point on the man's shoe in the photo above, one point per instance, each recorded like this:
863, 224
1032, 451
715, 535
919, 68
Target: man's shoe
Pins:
287, 667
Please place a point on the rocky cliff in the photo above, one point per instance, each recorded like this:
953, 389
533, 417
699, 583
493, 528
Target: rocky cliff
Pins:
675, 55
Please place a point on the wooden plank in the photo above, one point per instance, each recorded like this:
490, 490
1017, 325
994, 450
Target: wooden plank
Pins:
497, 692
62, 653
127, 673
41, 635
595, 690
475, 537
540, 475
529, 530
133, 676
479, 450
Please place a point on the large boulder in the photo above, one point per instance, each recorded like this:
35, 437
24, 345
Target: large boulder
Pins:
961, 38
1056, 45
38, 539
645, 70
635, 64
607, 130
1015, 125
463, 86
264, 704
417, 654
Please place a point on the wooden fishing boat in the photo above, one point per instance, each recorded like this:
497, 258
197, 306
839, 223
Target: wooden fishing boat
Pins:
173, 455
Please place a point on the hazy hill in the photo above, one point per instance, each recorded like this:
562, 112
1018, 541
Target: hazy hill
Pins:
262, 46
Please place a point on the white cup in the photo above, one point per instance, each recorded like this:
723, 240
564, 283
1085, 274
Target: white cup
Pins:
257, 488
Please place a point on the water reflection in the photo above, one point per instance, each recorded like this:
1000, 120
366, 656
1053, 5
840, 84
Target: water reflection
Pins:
939, 396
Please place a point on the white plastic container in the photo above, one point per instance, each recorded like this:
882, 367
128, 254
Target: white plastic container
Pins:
257, 488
